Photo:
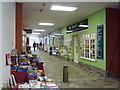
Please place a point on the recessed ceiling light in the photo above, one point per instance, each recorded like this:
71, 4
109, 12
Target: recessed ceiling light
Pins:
39, 30
36, 33
63, 8
48, 24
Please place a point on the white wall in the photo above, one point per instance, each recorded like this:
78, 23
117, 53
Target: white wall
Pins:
8, 36
0, 44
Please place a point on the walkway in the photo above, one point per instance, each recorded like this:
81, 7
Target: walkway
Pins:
78, 76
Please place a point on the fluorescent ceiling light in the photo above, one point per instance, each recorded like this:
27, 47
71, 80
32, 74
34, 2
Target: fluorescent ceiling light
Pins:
68, 31
83, 25
39, 30
57, 34
48, 24
36, 33
63, 8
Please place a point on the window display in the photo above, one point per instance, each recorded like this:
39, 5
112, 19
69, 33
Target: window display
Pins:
62, 41
87, 46
63, 51
57, 41
68, 44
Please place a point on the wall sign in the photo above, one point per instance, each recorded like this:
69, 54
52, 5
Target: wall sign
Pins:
100, 42
28, 31
77, 26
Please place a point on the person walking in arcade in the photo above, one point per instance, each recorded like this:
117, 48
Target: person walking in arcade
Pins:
34, 45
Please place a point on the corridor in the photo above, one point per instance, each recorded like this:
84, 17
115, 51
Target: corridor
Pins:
83, 30
79, 77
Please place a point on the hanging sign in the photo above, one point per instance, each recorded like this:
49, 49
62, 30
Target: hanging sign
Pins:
77, 26
28, 31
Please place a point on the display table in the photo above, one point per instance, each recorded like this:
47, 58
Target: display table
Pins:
29, 70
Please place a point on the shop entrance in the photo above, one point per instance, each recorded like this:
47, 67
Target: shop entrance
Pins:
76, 49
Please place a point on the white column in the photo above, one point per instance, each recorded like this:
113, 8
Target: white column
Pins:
8, 36
0, 45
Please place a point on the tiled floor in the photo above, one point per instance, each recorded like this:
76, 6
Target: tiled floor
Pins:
78, 76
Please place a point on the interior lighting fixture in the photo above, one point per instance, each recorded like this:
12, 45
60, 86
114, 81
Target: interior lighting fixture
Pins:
36, 33
62, 8
57, 34
83, 25
47, 24
42, 30
68, 31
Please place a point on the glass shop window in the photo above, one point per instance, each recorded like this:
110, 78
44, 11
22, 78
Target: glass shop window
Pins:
87, 46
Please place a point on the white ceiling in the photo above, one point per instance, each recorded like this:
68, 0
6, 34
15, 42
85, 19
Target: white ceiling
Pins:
32, 15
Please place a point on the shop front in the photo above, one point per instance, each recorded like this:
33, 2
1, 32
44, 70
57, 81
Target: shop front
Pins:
89, 44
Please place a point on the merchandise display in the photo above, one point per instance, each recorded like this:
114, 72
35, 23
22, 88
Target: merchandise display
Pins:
38, 84
68, 44
55, 51
57, 41
30, 68
63, 51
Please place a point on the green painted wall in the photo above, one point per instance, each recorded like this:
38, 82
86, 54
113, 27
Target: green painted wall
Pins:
94, 19
53, 41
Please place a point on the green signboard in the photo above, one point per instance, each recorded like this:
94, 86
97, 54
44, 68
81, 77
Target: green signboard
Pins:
28, 31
